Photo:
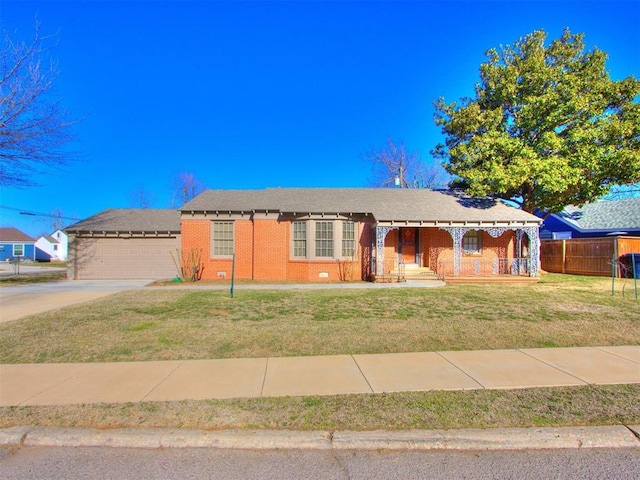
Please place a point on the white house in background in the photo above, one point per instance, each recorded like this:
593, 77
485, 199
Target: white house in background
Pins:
52, 247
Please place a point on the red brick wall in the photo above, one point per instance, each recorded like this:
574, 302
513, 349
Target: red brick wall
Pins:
243, 232
263, 252
271, 247
196, 234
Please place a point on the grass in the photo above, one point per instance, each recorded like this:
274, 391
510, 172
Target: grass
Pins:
165, 323
25, 278
29, 278
589, 405
170, 324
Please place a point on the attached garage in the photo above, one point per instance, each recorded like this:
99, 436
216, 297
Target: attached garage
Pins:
125, 244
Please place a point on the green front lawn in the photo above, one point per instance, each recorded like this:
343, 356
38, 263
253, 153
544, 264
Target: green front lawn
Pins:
164, 323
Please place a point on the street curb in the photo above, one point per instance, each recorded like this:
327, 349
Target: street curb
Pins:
177, 438
13, 435
464, 439
490, 439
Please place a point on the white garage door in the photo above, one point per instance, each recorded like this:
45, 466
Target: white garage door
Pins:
124, 258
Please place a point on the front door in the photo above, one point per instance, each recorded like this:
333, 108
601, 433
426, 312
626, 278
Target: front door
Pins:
408, 244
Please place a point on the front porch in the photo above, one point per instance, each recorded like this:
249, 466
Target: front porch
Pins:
468, 253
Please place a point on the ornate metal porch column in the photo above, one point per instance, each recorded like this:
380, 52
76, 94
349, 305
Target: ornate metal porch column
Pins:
456, 233
534, 247
381, 234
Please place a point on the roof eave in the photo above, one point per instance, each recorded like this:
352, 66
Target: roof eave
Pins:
575, 226
462, 223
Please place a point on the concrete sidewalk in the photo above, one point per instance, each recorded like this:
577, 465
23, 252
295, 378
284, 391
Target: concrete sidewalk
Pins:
65, 384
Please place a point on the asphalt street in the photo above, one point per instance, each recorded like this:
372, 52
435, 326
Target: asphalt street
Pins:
231, 464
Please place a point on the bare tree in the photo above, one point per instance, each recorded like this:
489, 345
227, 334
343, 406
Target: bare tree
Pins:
141, 198
57, 219
34, 127
395, 167
185, 187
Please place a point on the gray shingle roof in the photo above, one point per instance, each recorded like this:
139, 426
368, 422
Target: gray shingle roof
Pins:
384, 204
10, 234
605, 215
130, 220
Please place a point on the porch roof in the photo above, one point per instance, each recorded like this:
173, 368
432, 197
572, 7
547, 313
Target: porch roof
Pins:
386, 206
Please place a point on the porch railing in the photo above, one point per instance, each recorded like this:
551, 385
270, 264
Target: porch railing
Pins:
484, 266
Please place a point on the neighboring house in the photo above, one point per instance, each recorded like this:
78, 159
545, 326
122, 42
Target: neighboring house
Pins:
598, 219
124, 244
316, 234
52, 247
16, 244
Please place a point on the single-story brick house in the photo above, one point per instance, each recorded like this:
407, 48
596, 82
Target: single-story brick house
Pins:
321, 234
124, 244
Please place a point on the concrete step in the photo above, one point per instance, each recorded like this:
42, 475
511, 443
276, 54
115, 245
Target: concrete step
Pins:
415, 272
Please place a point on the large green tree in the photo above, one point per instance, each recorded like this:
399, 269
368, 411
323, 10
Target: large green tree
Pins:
547, 128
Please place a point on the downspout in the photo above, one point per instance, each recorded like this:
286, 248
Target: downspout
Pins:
253, 247
75, 257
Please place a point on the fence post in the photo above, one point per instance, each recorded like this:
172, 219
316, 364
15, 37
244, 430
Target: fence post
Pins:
564, 255
635, 276
613, 274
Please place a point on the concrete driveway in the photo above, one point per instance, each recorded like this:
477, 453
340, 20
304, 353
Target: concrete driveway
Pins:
22, 300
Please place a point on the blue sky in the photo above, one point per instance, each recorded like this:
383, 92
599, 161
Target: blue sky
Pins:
265, 94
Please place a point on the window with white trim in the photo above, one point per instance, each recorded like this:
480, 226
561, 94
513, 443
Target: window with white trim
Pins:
300, 239
324, 239
472, 242
348, 239
18, 250
222, 239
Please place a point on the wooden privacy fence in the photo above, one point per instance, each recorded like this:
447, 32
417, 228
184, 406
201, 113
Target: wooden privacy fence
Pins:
586, 256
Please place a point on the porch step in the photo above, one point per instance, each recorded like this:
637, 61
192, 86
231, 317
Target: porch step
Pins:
415, 272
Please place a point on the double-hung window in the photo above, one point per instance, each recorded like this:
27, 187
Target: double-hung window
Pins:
472, 242
222, 239
18, 250
348, 239
300, 239
324, 239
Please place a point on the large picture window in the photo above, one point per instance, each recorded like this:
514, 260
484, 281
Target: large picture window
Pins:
222, 239
324, 239
300, 239
472, 242
348, 239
